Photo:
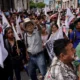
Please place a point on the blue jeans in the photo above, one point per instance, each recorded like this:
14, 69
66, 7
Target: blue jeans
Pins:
34, 62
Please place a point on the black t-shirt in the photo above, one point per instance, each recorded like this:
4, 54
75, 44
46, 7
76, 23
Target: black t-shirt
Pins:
16, 60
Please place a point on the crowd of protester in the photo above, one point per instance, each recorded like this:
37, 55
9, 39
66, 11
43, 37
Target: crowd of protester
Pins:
36, 30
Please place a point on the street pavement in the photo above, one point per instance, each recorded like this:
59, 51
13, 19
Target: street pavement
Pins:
24, 76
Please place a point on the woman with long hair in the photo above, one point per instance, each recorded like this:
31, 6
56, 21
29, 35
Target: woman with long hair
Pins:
44, 37
14, 49
54, 29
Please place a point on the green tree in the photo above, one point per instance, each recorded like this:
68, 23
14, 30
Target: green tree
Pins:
32, 4
40, 5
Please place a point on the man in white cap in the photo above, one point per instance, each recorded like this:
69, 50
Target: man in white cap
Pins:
34, 50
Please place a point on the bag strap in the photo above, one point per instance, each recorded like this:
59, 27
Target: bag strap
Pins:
25, 39
7, 44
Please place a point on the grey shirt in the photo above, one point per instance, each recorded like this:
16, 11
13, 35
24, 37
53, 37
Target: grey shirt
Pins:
34, 42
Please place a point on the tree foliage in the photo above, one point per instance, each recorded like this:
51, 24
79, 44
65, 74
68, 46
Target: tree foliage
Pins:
32, 4
37, 5
40, 5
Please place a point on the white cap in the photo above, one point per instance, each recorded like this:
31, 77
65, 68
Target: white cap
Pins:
27, 20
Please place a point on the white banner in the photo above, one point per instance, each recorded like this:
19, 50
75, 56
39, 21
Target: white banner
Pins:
50, 42
69, 17
3, 51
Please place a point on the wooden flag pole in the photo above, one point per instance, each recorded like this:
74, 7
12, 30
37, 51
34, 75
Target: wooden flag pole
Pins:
17, 48
16, 41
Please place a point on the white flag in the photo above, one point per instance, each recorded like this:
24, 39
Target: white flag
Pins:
18, 27
50, 42
37, 12
46, 9
69, 17
15, 33
3, 51
1, 60
58, 20
5, 22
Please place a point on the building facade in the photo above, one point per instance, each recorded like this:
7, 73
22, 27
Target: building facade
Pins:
6, 4
36, 1
55, 4
69, 3
14, 4
52, 4
58, 3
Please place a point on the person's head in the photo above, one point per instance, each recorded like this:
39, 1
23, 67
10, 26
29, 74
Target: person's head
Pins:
77, 24
71, 7
14, 16
54, 27
64, 50
21, 26
44, 16
43, 28
34, 19
41, 19
9, 34
32, 16
29, 25
50, 13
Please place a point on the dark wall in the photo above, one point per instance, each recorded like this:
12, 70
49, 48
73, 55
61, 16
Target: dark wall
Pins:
6, 4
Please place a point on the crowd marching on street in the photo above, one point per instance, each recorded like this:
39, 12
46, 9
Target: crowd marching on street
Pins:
47, 42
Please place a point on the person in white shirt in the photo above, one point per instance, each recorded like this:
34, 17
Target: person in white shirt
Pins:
34, 49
